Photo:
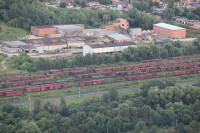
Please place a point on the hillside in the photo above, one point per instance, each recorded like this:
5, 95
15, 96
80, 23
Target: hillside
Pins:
8, 33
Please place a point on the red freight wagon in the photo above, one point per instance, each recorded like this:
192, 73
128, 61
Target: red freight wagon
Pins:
63, 85
127, 67
133, 77
97, 70
157, 60
188, 72
116, 68
47, 86
15, 79
54, 71
190, 66
89, 70
78, 68
129, 72
57, 86
40, 76
18, 83
44, 72
18, 88
142, 69
29, 89
17, 93
29, 81
176, 73
66, 72
108, 73
8, 93
85, 83
147, 76
134, 71
93, 74
100, 81
184, 66
174, 58
163, 68
119, 78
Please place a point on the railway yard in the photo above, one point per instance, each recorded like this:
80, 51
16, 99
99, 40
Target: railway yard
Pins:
80, 77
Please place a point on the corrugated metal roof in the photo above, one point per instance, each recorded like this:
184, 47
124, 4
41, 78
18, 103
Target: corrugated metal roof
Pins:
119, 37
68, 27
169, 26
112, 45
14, 43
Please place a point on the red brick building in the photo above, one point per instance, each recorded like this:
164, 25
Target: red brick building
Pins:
170, 31
43, 30
119, 24
194, 23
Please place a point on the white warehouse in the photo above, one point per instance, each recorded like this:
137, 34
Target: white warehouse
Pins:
107, 48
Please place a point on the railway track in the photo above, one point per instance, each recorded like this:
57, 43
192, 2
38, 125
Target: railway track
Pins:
84, 95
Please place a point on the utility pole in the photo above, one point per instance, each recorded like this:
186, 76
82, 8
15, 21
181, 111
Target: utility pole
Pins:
139, 84
164, 78
79, 93
107, 127
14, 99
29, 104
98, 90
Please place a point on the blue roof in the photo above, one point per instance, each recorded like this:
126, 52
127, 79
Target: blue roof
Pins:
169, 26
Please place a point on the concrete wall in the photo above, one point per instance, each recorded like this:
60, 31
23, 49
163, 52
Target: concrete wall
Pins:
88, 49
134, 32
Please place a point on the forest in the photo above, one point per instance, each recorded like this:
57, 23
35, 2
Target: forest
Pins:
25, 13
132, 54
156, 106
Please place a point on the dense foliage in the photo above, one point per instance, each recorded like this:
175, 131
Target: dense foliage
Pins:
171, 106
131, 54
23, 14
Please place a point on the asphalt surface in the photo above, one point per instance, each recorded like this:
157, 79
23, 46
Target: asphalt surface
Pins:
86, 94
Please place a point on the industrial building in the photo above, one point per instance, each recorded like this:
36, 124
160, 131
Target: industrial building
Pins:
42, 44
119, 38
170, 31
107, 48
57, 30
120, 24
13, 46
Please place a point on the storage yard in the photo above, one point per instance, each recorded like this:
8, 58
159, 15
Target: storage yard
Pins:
79, 77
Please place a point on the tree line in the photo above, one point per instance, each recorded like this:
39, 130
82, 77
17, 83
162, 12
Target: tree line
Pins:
156, 106
24, 14
132, 54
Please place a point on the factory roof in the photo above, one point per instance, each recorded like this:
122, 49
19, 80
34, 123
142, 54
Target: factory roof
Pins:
119, 37
57, 40
168, 26
14, 43
7, 48
62, 26
112, 45
68, 27
43, 26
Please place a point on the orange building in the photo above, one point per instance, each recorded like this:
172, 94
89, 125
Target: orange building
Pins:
119, 24
170, 31
43, 30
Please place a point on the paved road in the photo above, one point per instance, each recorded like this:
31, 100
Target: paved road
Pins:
88, 94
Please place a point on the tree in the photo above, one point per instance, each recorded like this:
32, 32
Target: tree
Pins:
64, 111
37, 106
7, 108
169, 13
113, 94
30, 127
62, 5
17, 112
